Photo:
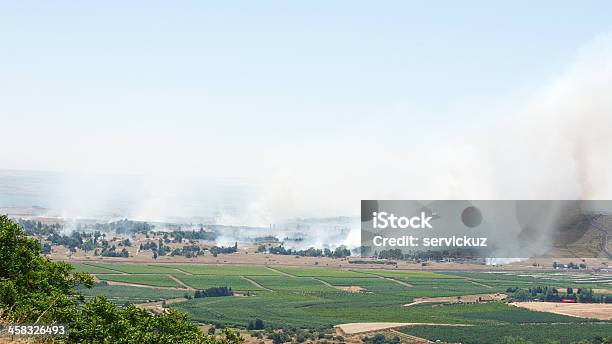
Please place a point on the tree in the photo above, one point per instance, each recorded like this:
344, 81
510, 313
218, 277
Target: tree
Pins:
259, 325
34, 289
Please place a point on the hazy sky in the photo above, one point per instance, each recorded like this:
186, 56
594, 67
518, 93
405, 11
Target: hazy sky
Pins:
230, 88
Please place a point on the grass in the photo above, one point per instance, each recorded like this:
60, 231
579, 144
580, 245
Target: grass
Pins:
227, 270
409, 275
125, 294
151, 280
319, 272
137, 268
298, 284
325, 309
208, 281
304, 300
538, 333
92, 269
520, 279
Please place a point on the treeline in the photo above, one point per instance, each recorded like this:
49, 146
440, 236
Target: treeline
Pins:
418, 256
293, 334
85, 241
112, 252
339, 252
178, 236
570, 265
159, 249
37, 228
88, 242
214, 292
552, 294
258, 324
267, 238
215, 250
188, 251
48, 296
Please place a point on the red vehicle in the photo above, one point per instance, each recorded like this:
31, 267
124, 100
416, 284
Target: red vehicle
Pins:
568, 300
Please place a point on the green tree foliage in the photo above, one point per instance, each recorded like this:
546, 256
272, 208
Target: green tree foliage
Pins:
34, 289
214, 292
101, 321
381, 339
339, 252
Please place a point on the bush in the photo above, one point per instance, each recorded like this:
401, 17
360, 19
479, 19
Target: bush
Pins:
35, 289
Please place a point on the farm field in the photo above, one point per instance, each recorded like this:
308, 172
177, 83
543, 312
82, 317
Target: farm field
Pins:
319, 272
210, 281
524, 279
227, 270
298, 284
312, 297
92, 269
126, 294
137, 268
583, 310
538, 333
150, 280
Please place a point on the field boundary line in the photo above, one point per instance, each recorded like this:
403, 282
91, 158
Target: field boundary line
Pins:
326, 283
183, 272
180, 282
136, 285
478, 283
255, 283
103, 267
410, 338
280, 272
405, 284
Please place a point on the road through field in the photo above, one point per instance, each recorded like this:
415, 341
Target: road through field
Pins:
280, 272
355, 328
348, 289
180, 282
142, 285
255, 283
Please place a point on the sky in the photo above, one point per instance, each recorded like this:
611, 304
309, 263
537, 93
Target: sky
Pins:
204, 86
250, 89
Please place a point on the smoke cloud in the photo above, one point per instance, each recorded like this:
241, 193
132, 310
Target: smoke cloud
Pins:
556, 147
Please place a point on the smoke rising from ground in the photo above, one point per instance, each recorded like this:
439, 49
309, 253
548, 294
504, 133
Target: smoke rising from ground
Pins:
556, 147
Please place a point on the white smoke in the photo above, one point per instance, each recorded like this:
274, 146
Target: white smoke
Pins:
556, 147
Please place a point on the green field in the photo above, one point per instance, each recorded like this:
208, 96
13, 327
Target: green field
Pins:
319, 272
92, 269
316, 310
124, 294
226, 270
308, 298
209, 281
538, 333
503, 280
151, 280
138, 268
297, 284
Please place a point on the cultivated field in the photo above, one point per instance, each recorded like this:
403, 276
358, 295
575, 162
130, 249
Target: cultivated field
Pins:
322, 297
582, 310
